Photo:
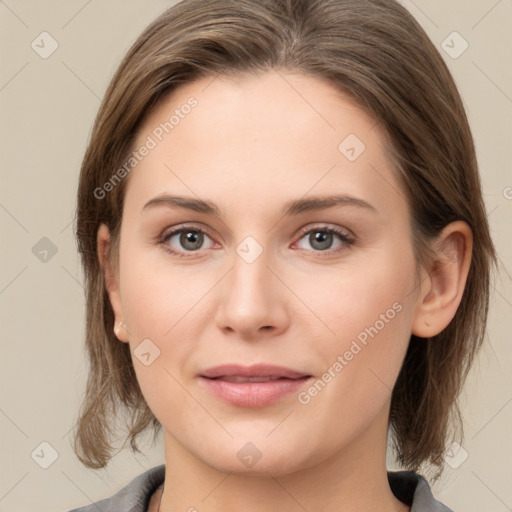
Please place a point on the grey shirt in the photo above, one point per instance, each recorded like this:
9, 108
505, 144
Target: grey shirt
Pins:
407, 486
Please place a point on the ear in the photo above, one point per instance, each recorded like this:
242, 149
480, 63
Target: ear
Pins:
111, 281
443, 285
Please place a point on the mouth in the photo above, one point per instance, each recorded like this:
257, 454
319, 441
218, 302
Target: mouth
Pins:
237, 378
258, 371
252, 386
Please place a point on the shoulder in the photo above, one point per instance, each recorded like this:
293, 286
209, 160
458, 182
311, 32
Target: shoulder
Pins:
134, 497
414, 490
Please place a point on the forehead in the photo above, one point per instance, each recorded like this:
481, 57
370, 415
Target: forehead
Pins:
276, 134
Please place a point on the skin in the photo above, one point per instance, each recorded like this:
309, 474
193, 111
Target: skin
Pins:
252, 144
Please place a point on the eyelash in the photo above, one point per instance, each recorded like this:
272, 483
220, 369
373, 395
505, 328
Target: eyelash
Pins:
343, 237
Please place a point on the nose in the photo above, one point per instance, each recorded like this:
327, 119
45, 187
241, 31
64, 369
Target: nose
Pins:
253, 301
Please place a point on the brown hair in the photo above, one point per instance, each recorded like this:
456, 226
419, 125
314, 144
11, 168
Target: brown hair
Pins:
375, 51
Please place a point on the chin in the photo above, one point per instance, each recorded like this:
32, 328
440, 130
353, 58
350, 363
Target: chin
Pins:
259, 458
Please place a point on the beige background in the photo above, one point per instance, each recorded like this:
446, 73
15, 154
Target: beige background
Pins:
47, 107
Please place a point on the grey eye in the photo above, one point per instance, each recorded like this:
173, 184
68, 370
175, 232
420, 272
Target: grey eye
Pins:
320, 240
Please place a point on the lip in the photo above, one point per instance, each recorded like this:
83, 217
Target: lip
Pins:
227, 382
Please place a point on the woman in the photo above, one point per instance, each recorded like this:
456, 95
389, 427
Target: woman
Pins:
287, 258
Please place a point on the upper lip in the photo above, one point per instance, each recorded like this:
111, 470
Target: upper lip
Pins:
256, 370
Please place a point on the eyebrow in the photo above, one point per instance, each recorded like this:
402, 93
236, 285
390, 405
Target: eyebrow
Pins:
294, 207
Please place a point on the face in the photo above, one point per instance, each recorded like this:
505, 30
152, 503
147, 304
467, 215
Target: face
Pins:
265, 226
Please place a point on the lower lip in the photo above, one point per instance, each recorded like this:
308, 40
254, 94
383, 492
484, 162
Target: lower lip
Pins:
254, 394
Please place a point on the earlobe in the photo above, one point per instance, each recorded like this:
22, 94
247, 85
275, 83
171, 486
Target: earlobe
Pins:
111, 281
443, 287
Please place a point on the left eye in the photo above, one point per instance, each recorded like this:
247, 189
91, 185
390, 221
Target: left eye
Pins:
321, 239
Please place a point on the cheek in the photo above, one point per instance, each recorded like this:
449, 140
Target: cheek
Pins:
368, 312
155, 309
162, 303
156, 295
355, 298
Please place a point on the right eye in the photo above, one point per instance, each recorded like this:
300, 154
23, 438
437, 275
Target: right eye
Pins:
183, 240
